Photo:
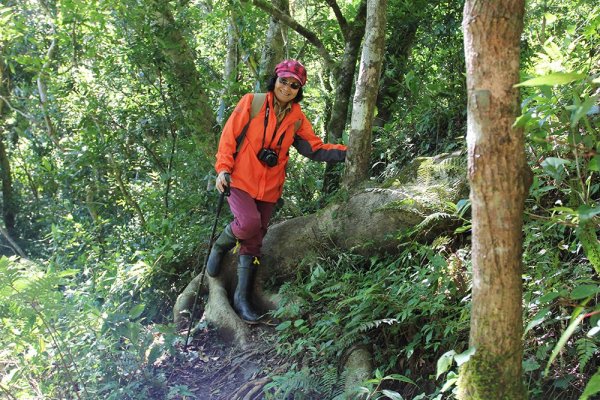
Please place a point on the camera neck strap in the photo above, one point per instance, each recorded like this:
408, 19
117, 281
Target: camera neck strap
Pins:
259, 99
280, 141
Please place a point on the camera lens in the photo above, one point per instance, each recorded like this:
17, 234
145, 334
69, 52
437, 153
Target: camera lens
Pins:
268, 156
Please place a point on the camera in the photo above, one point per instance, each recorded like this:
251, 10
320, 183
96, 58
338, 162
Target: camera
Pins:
268, 156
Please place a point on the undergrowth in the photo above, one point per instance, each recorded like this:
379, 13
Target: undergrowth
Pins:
413, 308
408, 308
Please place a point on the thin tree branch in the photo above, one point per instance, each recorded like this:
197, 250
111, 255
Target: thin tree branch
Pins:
42, 92
24, 114
340, 17
13, 244
303, 31
246, 56
5, 390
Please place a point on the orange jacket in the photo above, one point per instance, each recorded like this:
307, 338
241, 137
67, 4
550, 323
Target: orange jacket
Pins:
251, 175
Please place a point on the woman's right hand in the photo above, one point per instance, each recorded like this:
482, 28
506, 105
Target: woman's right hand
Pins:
222, 181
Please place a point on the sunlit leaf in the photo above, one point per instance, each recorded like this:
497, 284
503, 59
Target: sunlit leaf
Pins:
580, 110
592, 387
400, 378
444, 363
556, 78
136, 311
392, 395
464, 356
586, 212
583, 291
283, 326
594, 164
449, 383
549, 297
538, 319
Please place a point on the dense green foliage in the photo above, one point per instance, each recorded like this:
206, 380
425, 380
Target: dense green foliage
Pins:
109, 176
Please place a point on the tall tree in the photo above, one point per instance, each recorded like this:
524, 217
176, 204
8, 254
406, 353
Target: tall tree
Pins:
403, 22
9, 205
229, 70
192, 94
274, 49
498, 175
363, 111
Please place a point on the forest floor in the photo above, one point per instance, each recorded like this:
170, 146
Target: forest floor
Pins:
214, 370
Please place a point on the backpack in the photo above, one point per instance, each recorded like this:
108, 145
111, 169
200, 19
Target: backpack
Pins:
257, 103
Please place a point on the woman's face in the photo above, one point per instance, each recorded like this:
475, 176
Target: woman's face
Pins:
286, 89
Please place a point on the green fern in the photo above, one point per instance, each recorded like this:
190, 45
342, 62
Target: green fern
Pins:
586, 349
304, 384
367, 326
591, 245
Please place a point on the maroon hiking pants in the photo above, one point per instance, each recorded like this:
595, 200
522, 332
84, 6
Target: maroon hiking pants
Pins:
250, 220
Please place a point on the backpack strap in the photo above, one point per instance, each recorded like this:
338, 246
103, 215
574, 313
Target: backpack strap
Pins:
257, 101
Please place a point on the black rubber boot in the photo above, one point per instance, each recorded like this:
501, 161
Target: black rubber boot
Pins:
223, 244
241, 298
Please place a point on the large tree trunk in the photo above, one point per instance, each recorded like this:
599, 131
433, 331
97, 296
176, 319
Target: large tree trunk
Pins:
368, 223
274, 46
396, 59
363, 109
191, 93
229, 73
498, 176
9, 205
344, 80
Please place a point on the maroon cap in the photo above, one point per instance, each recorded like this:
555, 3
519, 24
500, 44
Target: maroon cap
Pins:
291, 69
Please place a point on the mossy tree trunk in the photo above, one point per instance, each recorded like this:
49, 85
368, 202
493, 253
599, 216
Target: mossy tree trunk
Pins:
498, 175
9, 204
363, 110
191, 94
344, 79
274, 49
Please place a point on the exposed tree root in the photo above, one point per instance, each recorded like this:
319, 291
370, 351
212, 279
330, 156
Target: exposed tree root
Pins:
251, 390
368, 222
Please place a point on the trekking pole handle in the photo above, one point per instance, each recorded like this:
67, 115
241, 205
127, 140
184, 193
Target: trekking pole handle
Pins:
227, 188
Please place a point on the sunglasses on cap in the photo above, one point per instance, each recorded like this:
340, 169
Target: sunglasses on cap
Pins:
293, 85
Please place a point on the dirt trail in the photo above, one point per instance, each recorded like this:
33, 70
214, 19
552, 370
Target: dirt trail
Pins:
213, 370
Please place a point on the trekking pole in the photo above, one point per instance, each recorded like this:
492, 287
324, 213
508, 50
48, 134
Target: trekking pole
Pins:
224, 194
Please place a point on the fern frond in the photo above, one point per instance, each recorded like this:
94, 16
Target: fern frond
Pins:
367, 326
586, 349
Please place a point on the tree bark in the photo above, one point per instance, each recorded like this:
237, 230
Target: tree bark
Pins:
498, 176
197, 112
274, 48
303, 31
41, 84
343, 80
363, 109
229, 73
396, 60
9, 205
